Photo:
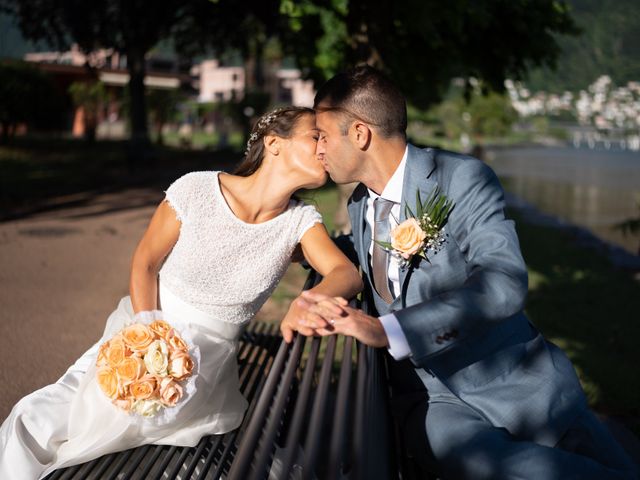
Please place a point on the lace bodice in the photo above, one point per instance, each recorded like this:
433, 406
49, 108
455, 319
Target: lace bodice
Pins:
221, 264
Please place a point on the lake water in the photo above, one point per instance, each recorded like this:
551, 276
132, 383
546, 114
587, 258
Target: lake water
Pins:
595, 189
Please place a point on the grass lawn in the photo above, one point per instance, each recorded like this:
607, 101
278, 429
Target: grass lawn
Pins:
34, 170
590, 310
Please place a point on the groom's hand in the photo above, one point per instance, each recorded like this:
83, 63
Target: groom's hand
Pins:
350, 321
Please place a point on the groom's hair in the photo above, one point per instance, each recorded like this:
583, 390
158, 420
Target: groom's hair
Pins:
366, 94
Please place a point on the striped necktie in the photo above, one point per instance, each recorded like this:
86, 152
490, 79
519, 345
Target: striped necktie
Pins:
380, 257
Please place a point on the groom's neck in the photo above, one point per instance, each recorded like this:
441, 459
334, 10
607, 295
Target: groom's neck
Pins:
382, 160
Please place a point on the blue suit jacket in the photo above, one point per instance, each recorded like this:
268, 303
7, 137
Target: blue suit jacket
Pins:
462, 308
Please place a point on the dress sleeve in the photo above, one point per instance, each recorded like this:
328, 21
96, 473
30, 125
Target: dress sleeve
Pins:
309, 216
177, 195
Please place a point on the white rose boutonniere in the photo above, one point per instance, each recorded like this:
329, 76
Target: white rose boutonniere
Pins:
422, 230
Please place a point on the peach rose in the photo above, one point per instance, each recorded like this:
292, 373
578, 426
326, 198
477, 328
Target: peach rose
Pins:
180, 364
146, 408
157, 358
137, 336
101, 361
143, 388
131, 369
115, 351
107, 379
408, 238
170, 392
176, 342
123, 403
160, 328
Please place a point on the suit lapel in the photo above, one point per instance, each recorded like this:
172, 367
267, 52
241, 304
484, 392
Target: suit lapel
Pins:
417, 178
357, 210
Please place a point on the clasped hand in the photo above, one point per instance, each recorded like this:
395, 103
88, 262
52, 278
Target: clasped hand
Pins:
317, 314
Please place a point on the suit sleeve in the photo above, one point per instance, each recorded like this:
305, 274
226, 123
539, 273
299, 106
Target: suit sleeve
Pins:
496, 277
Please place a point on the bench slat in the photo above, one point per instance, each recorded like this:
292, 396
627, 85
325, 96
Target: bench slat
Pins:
340, 421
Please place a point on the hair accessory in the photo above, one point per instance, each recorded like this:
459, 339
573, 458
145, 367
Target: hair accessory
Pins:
261, 127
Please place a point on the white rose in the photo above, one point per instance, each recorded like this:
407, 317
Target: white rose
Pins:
157, 358
146, 408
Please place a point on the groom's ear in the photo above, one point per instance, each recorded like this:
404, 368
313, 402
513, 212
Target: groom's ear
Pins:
272, 144
361, 135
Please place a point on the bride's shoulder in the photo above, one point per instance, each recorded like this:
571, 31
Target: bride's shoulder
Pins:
193, 183
297, 205
307, 214
194, 178
193, 187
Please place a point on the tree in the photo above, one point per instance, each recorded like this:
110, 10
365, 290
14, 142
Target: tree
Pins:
89, 97
163, 108
423, 44
132, 28
27, 96
609, 44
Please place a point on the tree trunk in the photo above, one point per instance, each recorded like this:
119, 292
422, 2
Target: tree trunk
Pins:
159, 136
5, 133
138, 108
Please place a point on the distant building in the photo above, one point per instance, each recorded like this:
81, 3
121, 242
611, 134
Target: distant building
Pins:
217, 83
208, 81
292, 89
110, 68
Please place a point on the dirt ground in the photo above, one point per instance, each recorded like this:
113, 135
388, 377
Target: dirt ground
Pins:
61, 274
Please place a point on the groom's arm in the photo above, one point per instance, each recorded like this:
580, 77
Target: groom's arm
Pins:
496, 283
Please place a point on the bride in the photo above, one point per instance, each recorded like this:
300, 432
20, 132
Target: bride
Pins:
213, 252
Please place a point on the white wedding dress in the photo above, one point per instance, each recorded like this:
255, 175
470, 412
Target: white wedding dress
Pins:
215, 279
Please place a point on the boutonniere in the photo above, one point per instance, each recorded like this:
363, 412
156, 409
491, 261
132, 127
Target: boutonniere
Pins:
420, 231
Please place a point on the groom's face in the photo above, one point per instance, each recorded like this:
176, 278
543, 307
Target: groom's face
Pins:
335, 149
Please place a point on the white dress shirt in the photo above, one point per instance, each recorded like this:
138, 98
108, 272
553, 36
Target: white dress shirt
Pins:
398, 345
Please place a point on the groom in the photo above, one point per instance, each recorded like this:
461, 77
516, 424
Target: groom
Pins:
502, 402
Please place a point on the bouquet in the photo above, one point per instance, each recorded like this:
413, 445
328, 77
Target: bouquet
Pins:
142, 368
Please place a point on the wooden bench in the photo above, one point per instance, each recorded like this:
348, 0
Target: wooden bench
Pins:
318, 408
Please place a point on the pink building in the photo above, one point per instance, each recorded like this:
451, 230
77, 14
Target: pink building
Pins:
216, 83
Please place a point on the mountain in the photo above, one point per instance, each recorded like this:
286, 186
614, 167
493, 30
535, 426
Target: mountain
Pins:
12, 43
609, 44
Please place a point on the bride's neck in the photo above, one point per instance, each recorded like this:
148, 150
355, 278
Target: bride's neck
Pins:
262, 195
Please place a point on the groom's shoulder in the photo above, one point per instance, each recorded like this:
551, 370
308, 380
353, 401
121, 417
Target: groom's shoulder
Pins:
434, 158
450, 159
448, 164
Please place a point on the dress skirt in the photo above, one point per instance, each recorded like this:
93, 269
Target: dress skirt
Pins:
72, 421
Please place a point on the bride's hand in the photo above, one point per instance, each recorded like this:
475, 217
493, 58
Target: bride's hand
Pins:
309, 318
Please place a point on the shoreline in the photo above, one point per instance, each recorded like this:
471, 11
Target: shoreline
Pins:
619, 257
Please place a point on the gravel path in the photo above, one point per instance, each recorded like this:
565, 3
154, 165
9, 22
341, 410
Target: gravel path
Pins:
61, 275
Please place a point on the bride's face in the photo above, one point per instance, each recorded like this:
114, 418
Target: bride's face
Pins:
300, 153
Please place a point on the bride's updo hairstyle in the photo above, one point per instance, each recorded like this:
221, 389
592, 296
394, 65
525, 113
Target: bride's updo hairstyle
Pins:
280, 122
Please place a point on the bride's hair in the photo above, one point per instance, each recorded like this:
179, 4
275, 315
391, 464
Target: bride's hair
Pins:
280, 122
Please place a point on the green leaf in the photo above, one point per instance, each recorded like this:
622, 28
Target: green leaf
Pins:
407, 212
385, 245
419, 204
